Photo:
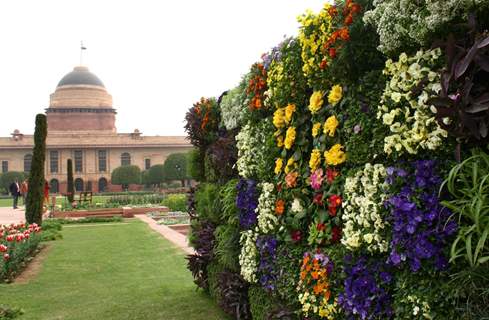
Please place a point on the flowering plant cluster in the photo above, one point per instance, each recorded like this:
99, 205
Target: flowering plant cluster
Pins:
366, 294
17, 242
323, 35
331, 138
421, 226
404, 106
202, 122
363, 210
315, 287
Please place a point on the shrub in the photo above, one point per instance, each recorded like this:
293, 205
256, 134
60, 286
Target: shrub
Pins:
175, 167
206, 202
176, 202
126, 175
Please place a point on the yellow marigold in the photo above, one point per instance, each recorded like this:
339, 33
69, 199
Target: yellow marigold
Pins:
335, 95
280, 141
289, 137
279, 118
278, 165
316, 101
289, 111
315, 160
335, 155
290, 165
315, 129
330, 126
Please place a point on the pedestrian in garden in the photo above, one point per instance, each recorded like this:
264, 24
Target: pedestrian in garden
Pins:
46, 193
15, 191
24, 187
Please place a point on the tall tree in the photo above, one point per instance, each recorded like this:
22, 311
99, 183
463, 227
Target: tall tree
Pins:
175, 167
35, 196
126, 175
70, 186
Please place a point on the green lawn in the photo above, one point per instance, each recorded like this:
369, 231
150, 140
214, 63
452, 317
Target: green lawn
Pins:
111, 271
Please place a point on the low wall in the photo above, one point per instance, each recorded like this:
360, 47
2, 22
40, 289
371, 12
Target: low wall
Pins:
125, 212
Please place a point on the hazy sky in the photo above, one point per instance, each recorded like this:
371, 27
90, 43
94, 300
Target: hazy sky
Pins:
156, 58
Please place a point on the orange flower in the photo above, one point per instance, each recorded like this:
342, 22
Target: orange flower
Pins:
332, 11
308, 268
306, 260
323, 64
349, 20
303, 275
279, 207
327, 295
291, 179
344, 34
315, 275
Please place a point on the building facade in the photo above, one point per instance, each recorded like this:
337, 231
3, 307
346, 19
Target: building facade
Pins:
81, 127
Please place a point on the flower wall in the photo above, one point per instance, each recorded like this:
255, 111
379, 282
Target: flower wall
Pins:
347, 175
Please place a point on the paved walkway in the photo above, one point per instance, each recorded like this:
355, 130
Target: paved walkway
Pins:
173, 236
9, 215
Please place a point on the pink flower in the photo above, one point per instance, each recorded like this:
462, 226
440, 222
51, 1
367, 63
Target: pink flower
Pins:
3, 248
6, 257
10, 238
317, 179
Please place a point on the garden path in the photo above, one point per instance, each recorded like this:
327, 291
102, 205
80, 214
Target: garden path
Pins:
173, 236
9, 215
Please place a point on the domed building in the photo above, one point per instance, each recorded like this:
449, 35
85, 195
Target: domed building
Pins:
81, 127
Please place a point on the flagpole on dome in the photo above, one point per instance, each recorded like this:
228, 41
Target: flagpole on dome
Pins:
82, 47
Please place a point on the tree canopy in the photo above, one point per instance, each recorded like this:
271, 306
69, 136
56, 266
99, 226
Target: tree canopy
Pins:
126, 175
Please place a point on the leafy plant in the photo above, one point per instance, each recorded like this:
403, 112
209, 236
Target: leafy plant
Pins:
234, 295
468, 183
207, 205
463, 103
176, 202
7, 312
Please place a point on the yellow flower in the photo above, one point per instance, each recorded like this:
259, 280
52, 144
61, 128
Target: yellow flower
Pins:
289, 111
278, 165
335, 95
335, 155
280, 141
279, 118
289, 137
315, 160
330, 126
315, 129
290, 165
316, 101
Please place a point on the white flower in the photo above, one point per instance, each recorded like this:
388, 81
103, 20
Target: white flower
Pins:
296, 206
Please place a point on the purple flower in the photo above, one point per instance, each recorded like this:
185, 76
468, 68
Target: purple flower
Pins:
247, 201
357, 128
366, 294
267, 247
421, 226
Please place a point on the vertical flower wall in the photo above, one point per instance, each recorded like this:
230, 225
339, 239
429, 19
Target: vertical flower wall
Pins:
347, 175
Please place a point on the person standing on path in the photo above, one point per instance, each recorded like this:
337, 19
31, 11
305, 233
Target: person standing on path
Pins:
24, 188
46, 194
15, 191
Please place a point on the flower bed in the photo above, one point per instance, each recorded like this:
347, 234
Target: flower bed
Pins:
17, 243
345, 199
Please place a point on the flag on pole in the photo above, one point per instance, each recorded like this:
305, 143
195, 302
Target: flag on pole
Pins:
82, 47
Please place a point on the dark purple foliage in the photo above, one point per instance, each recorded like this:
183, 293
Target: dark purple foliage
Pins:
233, 297
366, 294
421, 226
464, 97
204, 239
197, 264
223, 154
267, 248
247, 201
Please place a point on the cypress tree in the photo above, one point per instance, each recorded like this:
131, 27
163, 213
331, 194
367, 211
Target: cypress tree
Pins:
71, 186
35, 196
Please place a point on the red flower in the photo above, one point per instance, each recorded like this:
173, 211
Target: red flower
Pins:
318, 199
332, 11
344, 34
6, 257
355, 8
331, 174
296, 235
3, 248
320, 226
332, 52
348, 20
336, 234
323, 64
10, 238
334, 202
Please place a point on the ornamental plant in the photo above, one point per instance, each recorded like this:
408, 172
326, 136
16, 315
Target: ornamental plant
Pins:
421, 226
315, 286
364, 215
405, 107
202, 121
257, 86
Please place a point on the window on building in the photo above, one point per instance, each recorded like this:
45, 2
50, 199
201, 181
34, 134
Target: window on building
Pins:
4, 166
78, 184
53, 161
147, 164
102, 185
78, 161
102, 161
27, 162
125, 159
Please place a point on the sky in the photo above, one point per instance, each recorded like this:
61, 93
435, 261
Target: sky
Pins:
156, 58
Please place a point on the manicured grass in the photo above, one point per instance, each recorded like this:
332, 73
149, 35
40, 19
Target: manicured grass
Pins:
111, 271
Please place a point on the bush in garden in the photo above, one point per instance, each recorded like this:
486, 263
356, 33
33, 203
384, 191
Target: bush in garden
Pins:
35, 196
7, 178
126, 175
176, 202
175, 167
155, 175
